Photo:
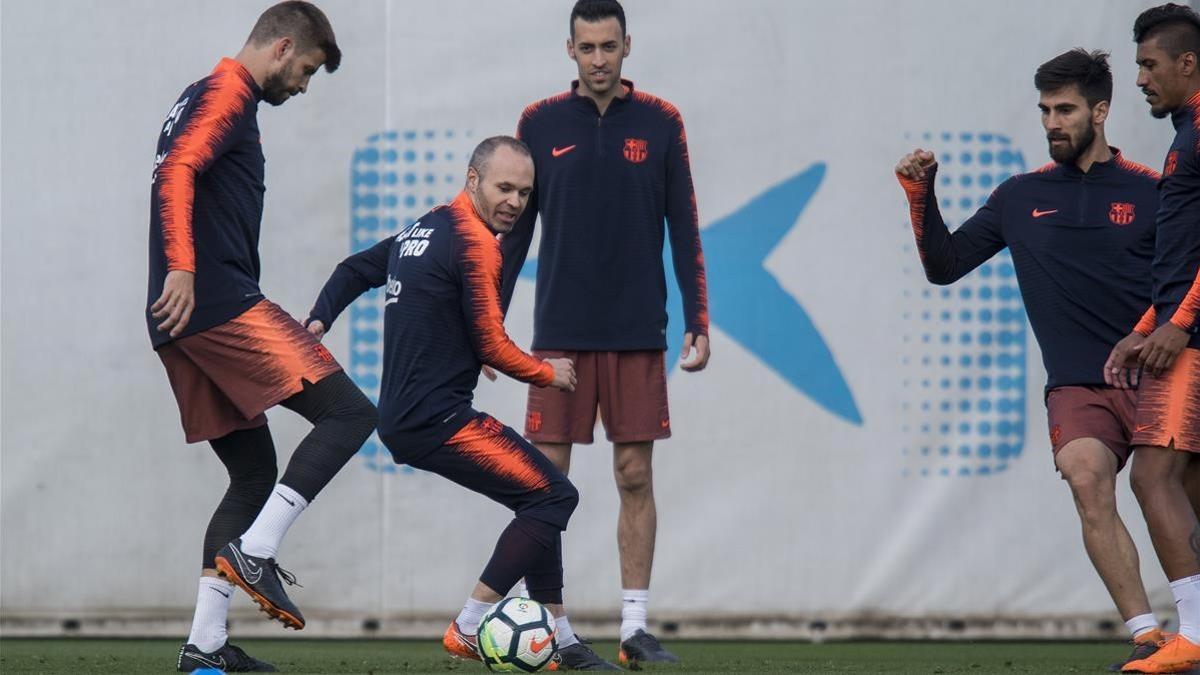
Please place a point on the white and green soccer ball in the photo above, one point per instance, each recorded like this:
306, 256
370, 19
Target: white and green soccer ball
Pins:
517, 634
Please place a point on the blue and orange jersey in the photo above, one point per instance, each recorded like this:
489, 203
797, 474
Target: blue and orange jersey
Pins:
1176, 266
206, 198
441, 322
605, 186
1081, 246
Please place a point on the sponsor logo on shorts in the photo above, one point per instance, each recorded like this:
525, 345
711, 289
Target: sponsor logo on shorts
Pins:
534, 421
1055, 434
1142, 427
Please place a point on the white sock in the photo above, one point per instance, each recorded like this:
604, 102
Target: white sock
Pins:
468, 619
265, 534
1140, 624
633, 611
212, 610
564, 634
1187, 601
520, 590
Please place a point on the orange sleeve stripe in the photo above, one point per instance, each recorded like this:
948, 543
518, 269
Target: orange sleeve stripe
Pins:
1185, 315
481, 266
1148, 322
215, 116
916, 190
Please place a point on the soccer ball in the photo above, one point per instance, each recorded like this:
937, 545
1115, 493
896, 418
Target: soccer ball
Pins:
516, 634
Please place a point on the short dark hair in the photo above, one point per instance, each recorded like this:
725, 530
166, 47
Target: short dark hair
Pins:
483, 152
1087, 70
1176, 26
597, 10
304, 23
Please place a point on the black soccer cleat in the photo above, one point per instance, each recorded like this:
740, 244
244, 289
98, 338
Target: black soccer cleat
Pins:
260, 578
1141, 650
578, 656
643, 647
228, 658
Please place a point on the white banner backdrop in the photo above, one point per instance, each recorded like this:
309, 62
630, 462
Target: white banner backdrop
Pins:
862, 445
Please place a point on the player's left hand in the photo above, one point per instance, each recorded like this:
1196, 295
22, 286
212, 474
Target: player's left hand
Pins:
176, 303
694, 356
1158, 352
1121, 369
489, 373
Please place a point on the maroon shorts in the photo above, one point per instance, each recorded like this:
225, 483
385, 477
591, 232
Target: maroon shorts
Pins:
225, 377
1102, 413
629, 389
1168, 413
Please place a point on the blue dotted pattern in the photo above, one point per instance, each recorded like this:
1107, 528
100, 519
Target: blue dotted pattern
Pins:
395, 178
963, 356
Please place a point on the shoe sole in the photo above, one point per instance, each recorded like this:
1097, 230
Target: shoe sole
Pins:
286, 618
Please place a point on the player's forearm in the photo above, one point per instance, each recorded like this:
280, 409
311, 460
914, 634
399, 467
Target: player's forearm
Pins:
344, 286
514, 248
176, 192
1149, 321
497, 350
934, 242
1185, 315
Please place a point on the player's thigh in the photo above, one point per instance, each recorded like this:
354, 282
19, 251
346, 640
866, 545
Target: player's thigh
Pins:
633, 396
564, 417
260, 357
1168, 410
1090, 429
205, 412
489, 458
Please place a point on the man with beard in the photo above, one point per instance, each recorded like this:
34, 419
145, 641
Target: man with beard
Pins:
1167, 344
612, 166
1081, 234
230, 354
442, 323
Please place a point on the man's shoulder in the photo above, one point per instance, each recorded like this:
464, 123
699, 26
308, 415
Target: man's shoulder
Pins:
657, 106
538, 110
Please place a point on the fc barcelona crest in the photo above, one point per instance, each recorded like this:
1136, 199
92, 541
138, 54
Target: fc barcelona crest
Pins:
1121, 213
636, 150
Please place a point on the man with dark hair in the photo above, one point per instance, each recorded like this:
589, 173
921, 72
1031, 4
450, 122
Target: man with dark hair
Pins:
230, 354
1081, 235
612, 164
442, 323
1166, 344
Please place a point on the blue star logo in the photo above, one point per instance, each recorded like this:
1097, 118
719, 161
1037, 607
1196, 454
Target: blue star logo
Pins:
750, 305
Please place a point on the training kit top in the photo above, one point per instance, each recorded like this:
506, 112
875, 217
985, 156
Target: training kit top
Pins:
604, 185
206, 198
441, 322
1081, 246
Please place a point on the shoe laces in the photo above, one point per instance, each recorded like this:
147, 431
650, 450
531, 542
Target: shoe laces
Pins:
286, 576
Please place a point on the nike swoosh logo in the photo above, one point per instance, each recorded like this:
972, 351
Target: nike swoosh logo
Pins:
1142, 427
536, 646
559, 152
290, 502
221, 592
252, 572
219, 663
1039, 214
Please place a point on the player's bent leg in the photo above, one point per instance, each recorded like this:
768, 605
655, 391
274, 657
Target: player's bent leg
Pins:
1157, 480
1090, 469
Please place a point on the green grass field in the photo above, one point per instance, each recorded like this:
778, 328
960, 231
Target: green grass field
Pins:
385, 656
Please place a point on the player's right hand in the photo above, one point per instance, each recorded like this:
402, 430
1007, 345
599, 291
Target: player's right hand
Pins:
1122, 367
176, 303
915, 164
564, 374
316, 328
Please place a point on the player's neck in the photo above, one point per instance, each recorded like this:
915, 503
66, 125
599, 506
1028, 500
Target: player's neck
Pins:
1098, 152
602, 101
255, 61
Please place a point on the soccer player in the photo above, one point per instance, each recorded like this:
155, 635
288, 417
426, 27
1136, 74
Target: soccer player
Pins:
612, 163
1081, 233
442, 323
230, 353
1166, 344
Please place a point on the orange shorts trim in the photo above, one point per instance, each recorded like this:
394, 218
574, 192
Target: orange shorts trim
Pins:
1168, 412
225, 377
627, 389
